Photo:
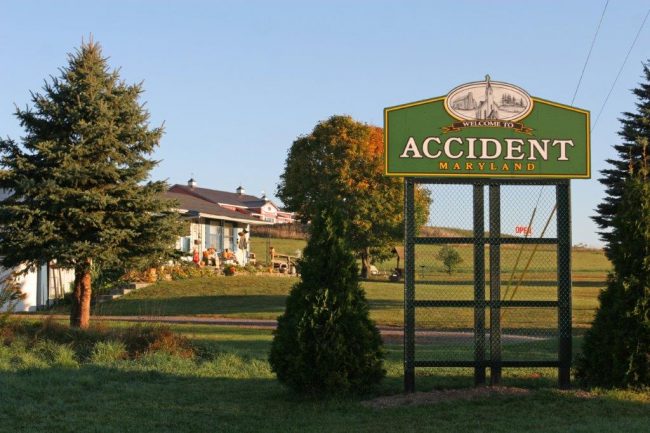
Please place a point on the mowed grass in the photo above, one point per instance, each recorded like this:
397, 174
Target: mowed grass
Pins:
263, 297
246, 296
527, 273
231, 388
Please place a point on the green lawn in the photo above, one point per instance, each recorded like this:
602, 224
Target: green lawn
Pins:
231, 388
263, 297
589, 266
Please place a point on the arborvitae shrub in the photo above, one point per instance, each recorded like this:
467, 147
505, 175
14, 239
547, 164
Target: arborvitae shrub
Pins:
325, 342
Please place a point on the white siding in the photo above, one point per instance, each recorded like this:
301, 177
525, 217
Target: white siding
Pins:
41, 290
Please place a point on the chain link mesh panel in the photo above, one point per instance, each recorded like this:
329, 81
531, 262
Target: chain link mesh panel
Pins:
487, 281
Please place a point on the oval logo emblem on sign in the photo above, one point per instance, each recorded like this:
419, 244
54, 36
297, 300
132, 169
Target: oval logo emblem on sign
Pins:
488, 100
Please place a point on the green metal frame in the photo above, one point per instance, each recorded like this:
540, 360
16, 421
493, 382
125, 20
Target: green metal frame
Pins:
494, 240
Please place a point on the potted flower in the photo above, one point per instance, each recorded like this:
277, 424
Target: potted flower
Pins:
229, 270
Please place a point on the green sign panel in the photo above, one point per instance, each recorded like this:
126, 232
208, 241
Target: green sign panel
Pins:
487, 129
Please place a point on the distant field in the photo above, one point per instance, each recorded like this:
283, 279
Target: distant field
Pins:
588, 264
260, 246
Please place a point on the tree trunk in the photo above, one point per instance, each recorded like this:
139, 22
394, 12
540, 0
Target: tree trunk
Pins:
80, 311
365, 263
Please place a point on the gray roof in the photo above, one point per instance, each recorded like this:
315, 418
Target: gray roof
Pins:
215, 196
256, 203
196, 204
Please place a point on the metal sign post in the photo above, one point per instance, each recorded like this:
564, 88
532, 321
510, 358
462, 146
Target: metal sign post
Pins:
409, 288
488, 343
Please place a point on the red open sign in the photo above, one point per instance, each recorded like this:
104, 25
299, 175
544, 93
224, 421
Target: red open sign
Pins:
523, 230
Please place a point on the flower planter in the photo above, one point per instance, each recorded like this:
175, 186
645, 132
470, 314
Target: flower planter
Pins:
229, 271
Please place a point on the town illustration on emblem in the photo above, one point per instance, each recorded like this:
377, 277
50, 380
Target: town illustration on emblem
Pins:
488, 100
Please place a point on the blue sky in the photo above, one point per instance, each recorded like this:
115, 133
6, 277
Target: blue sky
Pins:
236, 82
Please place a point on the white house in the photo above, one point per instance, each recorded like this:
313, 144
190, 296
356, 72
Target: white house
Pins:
42, 286
218, 219
213, 225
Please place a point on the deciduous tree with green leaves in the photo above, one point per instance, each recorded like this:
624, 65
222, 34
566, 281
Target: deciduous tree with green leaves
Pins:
79, 179
449, 257
340, 163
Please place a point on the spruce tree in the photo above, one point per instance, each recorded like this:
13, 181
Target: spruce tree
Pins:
81, 194
616, 350
635, 126
325, 342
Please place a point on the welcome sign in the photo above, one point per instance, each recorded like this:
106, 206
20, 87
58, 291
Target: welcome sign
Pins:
487, 129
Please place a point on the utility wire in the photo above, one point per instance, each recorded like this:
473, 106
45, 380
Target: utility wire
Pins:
539, 196
593, 42
621, 69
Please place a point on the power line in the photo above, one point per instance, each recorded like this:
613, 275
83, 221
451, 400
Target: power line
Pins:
593, 42
621, 69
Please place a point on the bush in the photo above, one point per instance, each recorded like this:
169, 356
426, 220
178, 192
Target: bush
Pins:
10, 295
105, 279
184, 270
106, 352
143, 339
229, 270
325, 342
450, 258
99, 342
56, 354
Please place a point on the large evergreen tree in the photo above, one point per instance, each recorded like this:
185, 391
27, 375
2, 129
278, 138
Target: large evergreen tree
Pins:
325, 342
79, 179
635, 126
616, 350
